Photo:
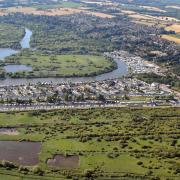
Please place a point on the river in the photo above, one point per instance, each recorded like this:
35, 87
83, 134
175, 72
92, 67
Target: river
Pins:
25, 43
5, 52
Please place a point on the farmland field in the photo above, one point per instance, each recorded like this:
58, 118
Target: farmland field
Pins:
174, 38
67, 4
109, 142
52, 11
175, 27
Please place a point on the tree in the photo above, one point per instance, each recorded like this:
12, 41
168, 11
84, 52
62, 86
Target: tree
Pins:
101, 98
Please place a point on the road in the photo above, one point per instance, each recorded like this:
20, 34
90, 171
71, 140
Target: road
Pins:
9, 107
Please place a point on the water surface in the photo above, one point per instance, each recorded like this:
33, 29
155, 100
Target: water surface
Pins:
21, 153
5, 52
17, 68
25, 42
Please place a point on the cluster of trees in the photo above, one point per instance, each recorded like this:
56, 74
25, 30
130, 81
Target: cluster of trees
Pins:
169, 79
10, 36
80, 33
2, 73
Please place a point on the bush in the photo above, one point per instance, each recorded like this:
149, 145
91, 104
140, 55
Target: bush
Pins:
89, 173
8, 164
37, 170
113, 154
139, 163
23, 170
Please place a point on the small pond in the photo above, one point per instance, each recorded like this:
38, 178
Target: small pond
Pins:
21, 153
17, 68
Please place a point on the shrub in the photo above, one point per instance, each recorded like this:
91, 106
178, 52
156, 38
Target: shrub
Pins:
8, 164
23, 170
89, 173
37, 170
113, 154
139, 163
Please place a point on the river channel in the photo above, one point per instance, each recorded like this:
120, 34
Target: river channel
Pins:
25, 43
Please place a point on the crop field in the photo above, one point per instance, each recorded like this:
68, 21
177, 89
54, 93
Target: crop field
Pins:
140, 16
151, 8
92, 143
174, 38
52, 11
162, 21
174, 27
61, 65
65, 4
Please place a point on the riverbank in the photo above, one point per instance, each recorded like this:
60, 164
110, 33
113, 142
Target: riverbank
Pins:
121, 71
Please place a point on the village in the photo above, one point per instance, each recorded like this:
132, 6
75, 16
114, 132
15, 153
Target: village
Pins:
127, 88
136, 64
118, 89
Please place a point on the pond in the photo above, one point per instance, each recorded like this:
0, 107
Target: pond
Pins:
21, 153
17, 68
61, 161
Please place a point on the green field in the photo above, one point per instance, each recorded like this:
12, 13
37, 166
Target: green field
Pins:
110, 142
68, 4
10, 36
60, 65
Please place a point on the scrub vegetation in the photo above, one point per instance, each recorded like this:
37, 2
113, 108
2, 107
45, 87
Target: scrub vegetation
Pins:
109, 142
10, 36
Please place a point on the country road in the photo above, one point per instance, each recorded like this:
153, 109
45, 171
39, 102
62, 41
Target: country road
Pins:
8, 107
